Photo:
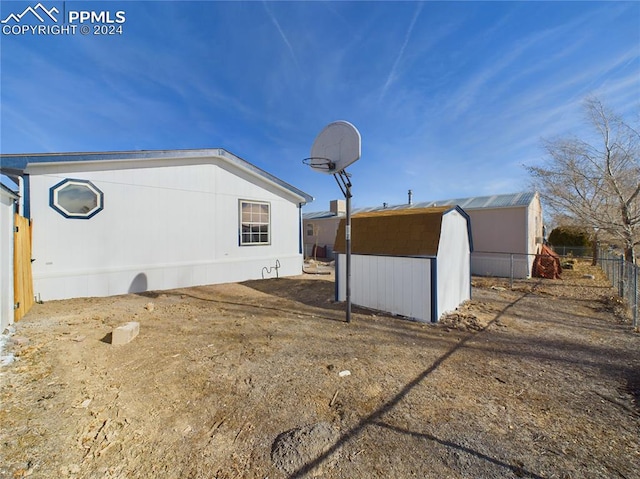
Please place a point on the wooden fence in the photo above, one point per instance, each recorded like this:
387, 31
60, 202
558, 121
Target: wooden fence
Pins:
22, 279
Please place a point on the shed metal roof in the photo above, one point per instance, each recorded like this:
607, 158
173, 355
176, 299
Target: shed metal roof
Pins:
15, 164
485, 202
405, 232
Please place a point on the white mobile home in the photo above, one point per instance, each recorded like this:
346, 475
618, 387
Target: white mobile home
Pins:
126, 222
7, 215
411, 262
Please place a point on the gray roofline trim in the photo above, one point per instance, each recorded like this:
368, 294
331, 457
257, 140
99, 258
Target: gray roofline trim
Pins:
17, 163
9, 192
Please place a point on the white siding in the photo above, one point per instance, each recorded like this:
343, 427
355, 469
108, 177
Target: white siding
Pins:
163, 226
6, 260
454, 270
397, 285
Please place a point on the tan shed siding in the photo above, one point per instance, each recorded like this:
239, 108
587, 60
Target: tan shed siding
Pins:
414, 232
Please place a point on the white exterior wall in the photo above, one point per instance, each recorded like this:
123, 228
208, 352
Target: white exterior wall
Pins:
164, 225
397, 285
453, 263
6, 259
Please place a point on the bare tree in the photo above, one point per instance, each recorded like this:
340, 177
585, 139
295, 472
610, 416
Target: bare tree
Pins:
596, 182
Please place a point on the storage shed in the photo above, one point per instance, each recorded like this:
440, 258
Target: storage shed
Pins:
111, 223
7, 225
412, 262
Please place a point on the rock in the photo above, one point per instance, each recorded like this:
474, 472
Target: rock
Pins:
9, 330
588, 276
19, 340
150, 307
344, 373
125, 333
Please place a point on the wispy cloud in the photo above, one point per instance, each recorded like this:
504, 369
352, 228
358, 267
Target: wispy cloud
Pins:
393, 72
275, 22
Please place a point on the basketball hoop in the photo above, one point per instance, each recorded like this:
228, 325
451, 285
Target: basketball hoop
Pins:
336, 147
320, 164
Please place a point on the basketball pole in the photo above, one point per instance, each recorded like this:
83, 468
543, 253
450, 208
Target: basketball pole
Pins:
342, 178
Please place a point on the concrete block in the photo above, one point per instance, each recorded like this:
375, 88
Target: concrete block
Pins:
125, 333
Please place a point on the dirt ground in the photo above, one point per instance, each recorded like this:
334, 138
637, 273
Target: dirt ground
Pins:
264, 379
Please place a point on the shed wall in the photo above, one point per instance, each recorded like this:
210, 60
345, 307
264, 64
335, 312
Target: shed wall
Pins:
453, 263
397, 285
162, 227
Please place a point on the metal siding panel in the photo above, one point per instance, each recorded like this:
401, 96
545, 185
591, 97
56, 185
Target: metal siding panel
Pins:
156, 223
397, 285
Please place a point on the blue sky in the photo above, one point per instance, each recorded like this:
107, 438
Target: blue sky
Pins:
451, 98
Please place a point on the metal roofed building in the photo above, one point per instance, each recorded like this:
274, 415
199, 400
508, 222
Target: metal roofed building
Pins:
109, 223
507, 230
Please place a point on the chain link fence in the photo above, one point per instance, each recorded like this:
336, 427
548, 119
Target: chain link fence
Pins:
622, 274
624, 278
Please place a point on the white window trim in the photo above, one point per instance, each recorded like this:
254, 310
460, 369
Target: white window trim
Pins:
241, 242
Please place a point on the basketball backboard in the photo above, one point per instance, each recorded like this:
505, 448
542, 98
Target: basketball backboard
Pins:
336, 147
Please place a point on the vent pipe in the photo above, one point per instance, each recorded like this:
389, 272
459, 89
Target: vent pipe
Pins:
410, 197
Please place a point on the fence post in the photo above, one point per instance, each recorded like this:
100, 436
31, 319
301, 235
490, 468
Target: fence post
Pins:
635, 296
621, 286
510, 270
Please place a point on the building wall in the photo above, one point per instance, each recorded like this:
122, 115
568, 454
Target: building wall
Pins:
505, 240
164, 225
6, 259
500, 230
500, 242
453, 263
324, 234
